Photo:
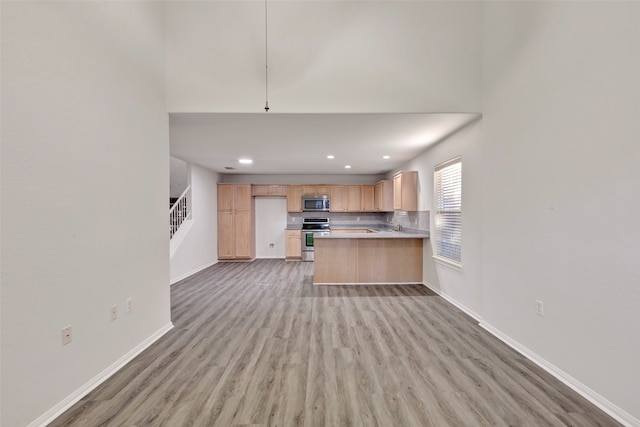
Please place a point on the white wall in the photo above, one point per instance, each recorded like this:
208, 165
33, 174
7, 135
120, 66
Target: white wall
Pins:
84, 195
271, 220
325, 56
460, 287
561, 216
198, 248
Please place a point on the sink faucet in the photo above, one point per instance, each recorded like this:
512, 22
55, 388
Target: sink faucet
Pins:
397, 227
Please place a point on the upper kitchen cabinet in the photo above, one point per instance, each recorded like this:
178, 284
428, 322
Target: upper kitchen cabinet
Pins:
337, 199
236, 238
405, 191
268, 190
294, 198
315, 190
383, 197
353, 197
368, 198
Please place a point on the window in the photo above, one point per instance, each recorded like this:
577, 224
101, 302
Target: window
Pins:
448, 210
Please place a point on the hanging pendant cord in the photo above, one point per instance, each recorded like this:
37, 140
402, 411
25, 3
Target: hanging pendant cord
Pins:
266, 62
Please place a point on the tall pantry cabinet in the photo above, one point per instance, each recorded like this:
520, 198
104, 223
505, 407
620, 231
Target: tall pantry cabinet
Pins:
236, 235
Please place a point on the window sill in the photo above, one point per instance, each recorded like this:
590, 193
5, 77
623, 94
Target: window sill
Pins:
447, 262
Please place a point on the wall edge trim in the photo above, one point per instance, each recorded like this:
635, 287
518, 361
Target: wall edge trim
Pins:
192, 272
85, 389
477, 317
601, 402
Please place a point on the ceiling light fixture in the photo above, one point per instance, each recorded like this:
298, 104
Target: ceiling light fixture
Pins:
348, 167
266, 62
245, 161
330, 156
385, 157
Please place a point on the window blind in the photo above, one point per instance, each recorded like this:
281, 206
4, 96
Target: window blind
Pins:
448, 218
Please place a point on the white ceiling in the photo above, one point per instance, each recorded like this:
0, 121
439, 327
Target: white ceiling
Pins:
299, 143
342, 77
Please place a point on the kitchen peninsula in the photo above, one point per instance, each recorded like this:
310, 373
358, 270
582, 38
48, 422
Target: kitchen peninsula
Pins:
383, 257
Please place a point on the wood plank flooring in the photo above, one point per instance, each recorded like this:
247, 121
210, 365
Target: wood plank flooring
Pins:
256, 344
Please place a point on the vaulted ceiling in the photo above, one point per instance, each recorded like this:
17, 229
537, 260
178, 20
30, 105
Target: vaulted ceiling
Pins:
404, 64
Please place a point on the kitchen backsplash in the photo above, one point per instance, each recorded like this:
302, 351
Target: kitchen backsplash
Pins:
408, 220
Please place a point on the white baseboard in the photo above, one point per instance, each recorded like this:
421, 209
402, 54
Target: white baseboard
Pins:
192, 272
462, 307
74, 397
614, 411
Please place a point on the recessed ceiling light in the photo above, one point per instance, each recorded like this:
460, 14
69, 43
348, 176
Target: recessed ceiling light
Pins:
330, 156
245, 161
348, 167
385, 157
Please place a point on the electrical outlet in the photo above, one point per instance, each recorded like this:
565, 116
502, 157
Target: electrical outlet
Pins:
539, 308
272, 245
66, 335
114, 312
129, 305
357, 218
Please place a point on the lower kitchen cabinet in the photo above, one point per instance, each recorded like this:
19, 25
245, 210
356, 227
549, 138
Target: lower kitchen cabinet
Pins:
294, 244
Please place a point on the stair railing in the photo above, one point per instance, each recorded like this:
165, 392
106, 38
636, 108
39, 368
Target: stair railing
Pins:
180, 211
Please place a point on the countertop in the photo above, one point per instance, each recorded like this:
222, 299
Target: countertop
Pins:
377, 235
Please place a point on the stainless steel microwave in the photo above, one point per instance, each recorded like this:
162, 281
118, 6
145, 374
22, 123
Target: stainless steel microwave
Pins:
315, 203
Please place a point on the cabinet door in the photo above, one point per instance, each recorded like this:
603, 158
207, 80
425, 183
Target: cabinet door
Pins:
368, 203
242, 235
323, 190
242, 197
354, 198
260, 190
405, 191
294, 198
225, 197
226, 235
308, 190
294, 244
397, 192
336, 203
278, 190
384, 196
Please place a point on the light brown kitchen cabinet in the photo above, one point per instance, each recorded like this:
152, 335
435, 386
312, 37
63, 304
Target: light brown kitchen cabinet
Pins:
383, 196
323, 190
308, 190
315, 190
353, 198
294, 244
236, 237
368, 198
405, 191
268, 190
294, 198
337, 201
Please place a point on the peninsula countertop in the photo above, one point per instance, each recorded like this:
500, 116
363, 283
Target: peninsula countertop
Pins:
374, 234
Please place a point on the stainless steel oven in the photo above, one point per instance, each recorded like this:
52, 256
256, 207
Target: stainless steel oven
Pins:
312, 227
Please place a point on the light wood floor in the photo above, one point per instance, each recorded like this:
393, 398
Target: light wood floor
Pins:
256, 344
